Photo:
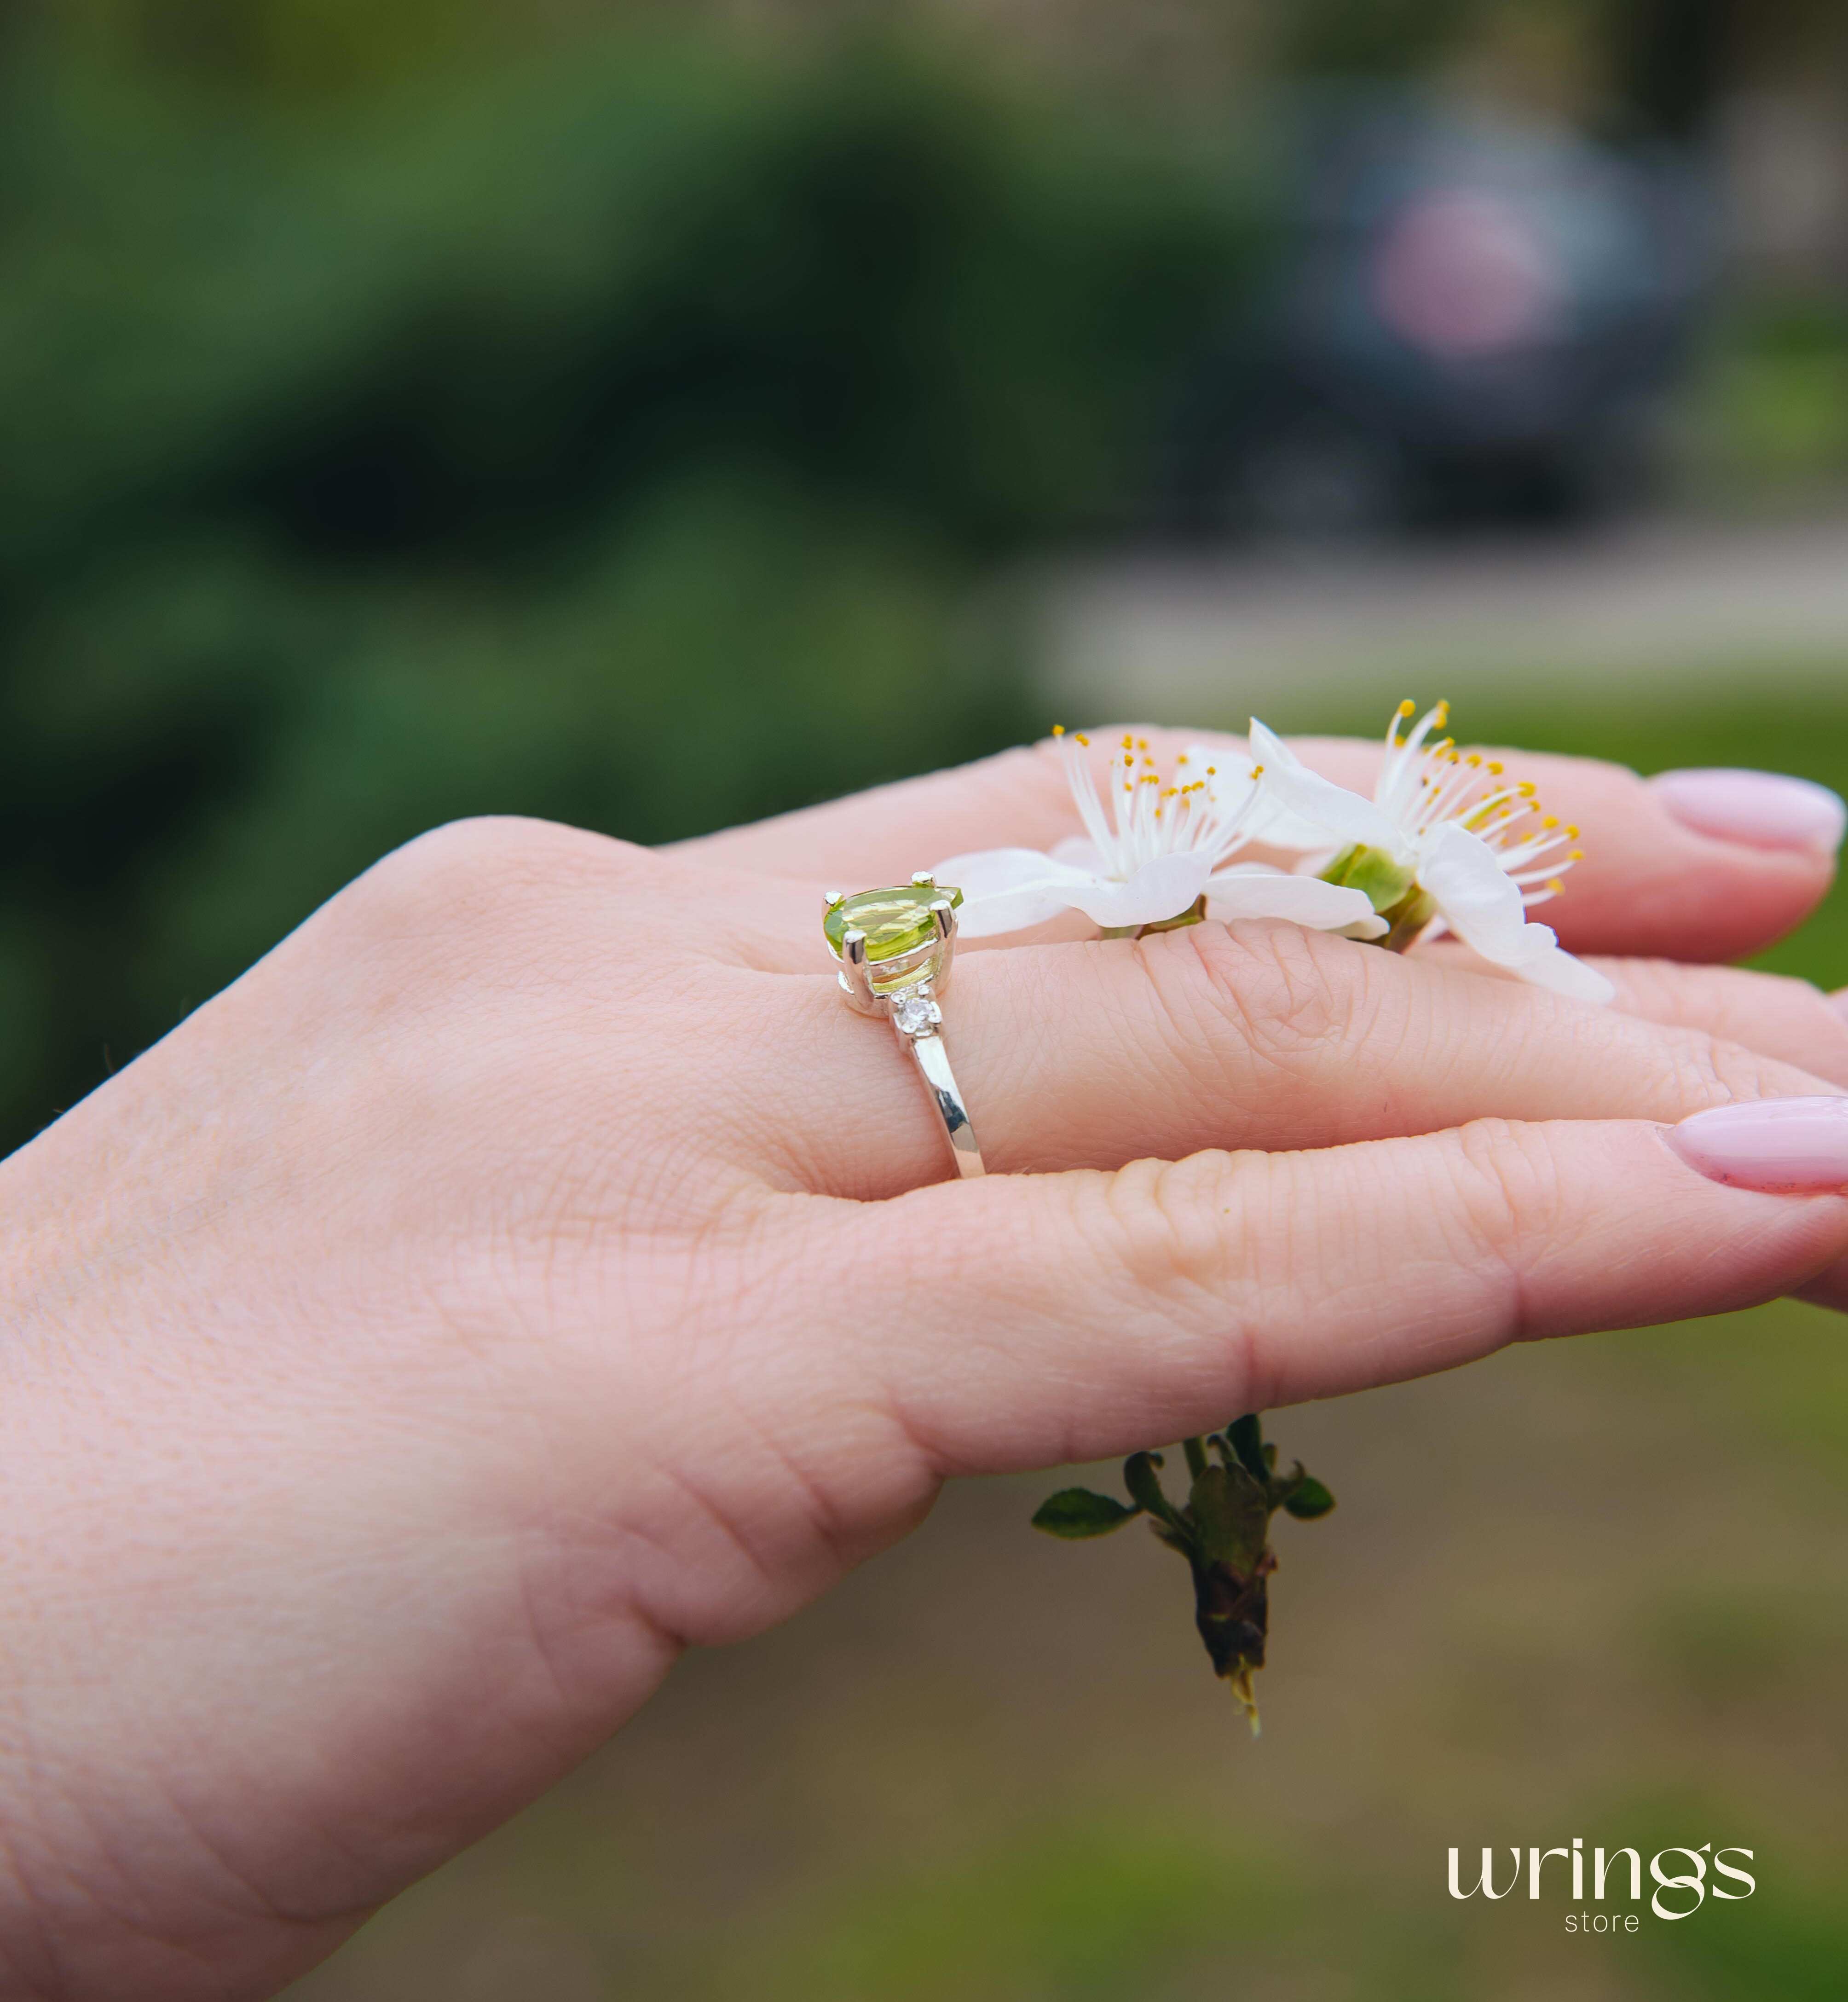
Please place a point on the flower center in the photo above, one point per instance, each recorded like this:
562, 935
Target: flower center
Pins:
1385, 881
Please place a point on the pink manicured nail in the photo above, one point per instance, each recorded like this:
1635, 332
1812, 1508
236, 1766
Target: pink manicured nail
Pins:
1757, 809
1779, 1145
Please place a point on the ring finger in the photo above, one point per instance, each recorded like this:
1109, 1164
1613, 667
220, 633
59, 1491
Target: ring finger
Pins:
1256, 1035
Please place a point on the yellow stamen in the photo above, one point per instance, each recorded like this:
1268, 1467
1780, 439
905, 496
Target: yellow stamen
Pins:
1058, 730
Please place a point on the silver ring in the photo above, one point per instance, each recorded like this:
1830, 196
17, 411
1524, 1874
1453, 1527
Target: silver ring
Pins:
894, 947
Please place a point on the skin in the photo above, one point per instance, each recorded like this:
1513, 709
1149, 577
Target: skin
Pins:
502, 1287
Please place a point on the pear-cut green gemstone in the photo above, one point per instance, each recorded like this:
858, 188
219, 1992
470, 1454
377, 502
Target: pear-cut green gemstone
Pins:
894, 921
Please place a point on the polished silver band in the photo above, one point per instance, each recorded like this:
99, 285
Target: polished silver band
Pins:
917, 1019
905, 988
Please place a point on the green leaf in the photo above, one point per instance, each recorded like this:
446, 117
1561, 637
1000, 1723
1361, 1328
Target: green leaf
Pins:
1144, 1483
1247, 1437
1231, 1515
1077, 1512
1308, 1498
1195, 1450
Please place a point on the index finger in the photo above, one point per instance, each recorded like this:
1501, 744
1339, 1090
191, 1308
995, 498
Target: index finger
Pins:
1650, 884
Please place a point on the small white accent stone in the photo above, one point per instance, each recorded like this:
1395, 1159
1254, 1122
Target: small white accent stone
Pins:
915, 1014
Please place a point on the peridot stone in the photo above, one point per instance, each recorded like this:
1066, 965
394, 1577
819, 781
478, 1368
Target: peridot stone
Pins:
894, 921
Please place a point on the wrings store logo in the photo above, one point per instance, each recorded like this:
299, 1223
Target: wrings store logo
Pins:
1679, 1892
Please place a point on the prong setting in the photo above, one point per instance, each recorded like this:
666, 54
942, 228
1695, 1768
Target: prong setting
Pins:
903, 984
874, 985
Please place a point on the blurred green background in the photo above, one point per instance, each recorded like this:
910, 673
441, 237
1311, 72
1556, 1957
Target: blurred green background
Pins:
625, 414
625, 434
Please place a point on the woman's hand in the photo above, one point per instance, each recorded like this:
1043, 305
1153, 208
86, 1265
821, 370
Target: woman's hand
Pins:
533, 1267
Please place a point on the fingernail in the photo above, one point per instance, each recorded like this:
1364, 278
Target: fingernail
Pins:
1757, 809
1779, 1145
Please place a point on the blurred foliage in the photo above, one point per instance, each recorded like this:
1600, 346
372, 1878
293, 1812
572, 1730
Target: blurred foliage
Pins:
1769, 409
1372, 37
623, 436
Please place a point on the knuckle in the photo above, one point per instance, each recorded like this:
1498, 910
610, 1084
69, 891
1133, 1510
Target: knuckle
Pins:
1284, 993
1214, 1248
470, 876
465, 858
1146, 1225
1195, 1235
1510, 1196
1711, 1071
1787, 1020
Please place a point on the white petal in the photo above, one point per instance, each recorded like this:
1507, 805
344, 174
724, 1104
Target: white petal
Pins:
1160, 889
1224, 772
1482, 905
1552, 966
1009, 889
1323, 907
1077, 852
1265, 821
1272, 824
1288, 783
1480, 902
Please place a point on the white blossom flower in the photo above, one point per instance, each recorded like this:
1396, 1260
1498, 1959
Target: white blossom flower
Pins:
1163, 844
1446, 842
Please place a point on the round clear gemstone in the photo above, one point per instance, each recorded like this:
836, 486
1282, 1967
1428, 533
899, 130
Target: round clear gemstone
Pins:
915, 1014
